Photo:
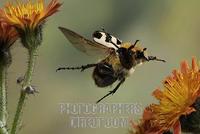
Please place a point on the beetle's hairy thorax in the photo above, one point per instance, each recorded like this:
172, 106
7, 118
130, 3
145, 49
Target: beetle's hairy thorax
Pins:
114, 61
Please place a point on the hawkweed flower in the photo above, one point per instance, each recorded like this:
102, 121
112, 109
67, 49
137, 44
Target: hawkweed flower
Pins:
179, 104
28, 18
8, 36
177, 97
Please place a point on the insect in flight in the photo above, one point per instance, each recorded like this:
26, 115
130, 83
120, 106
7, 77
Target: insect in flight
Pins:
120, 59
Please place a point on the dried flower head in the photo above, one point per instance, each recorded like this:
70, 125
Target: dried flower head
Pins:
29, 15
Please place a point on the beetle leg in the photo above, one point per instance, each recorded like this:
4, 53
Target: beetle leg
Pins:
112, 91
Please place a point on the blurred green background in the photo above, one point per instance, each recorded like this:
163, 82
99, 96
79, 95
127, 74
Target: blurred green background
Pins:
169, 29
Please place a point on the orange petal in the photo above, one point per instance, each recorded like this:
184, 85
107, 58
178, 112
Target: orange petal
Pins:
184, 67
177, 128
194, 64
157, 93
147, 114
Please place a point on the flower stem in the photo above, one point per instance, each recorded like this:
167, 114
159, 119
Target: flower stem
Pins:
3, 100
26, 82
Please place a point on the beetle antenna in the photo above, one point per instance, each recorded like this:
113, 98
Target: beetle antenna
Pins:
132, 46
144, 49
155, 58
82, 68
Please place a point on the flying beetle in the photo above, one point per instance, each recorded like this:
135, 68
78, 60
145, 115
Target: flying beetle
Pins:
120, 59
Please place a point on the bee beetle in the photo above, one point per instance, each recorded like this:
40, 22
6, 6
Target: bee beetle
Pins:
120, 59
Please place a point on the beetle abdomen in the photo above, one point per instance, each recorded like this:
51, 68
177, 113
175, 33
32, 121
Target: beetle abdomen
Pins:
104, 75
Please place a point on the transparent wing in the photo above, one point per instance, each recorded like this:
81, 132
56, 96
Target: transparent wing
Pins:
87, 46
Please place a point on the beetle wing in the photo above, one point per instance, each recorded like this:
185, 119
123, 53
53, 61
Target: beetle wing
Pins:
87, 46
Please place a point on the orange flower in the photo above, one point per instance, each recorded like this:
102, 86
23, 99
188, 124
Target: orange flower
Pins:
8, 35
178, 94
29, 15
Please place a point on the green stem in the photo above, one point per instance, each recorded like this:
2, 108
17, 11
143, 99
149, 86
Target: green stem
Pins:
3, 100
27, 82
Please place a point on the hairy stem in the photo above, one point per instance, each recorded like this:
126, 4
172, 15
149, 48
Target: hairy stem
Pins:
27, 82
3, 100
